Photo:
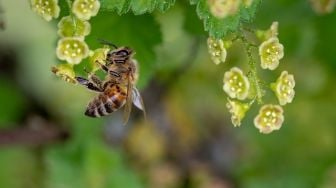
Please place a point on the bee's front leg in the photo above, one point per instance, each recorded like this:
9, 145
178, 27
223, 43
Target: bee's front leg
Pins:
88, 84
102, 66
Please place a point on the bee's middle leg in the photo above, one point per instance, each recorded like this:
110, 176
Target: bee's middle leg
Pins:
95, 79
89, 84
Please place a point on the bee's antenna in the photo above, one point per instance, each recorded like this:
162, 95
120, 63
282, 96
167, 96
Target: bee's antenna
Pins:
102, 41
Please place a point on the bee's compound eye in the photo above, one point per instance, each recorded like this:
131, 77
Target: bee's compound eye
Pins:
122, 53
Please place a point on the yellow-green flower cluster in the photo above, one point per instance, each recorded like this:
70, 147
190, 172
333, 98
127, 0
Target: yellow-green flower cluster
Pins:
72, 29
47, 9
244, 89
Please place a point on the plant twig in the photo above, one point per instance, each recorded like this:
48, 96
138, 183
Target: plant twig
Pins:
253, 69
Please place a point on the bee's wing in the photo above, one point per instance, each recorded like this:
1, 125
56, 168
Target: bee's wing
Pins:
138, 102
128, 105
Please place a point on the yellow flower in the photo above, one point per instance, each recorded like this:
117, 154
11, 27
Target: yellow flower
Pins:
85, 9
271, 51
284, 88
236, 84
72, 50
71, 26
65, 72
98, 56
270, 118
217, 50
48, 9
223, 8
237, 110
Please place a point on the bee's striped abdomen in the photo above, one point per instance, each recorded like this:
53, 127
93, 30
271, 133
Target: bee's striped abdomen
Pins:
105, 103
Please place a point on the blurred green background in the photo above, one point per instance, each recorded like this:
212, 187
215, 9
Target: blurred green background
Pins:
189, 141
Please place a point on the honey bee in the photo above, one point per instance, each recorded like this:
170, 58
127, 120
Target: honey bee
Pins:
118, 89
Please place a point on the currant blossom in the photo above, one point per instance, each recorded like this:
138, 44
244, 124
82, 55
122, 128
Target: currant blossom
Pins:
216, 50
236, 84
65, 72
237, 110
47, 9
72, 50
71, 26
284, 88
223, 8
270, 52
270, 118
97, 57
85, 9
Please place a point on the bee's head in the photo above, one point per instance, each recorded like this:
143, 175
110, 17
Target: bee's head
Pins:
119, 55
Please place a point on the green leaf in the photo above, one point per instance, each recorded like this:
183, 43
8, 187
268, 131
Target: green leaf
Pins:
219, 28
141, 33
137, 6
192, 24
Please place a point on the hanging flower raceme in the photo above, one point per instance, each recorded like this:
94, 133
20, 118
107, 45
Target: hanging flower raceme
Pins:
85, 9
223, 8
236, 84
47, 9
217, 50
72, 49
71, 26
284, 88
237, 110
270, 118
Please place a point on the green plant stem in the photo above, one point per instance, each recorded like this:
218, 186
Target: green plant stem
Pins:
253, 69
72, 17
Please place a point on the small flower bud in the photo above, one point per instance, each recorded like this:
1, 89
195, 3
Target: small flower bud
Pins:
237, 110
48, 9
236, 84
284, 88
85, 9
271, 51
71, 26
72, 50
216, 50
270, 118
